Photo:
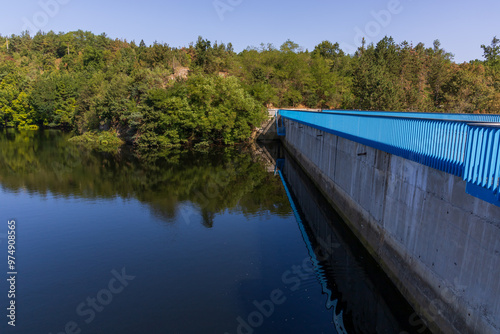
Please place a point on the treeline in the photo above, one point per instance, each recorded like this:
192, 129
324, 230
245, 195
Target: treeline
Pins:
160, 96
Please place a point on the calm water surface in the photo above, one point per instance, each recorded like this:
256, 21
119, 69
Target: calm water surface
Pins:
182, 243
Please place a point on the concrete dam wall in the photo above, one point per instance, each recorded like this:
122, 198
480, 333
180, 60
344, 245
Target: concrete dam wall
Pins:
439, 245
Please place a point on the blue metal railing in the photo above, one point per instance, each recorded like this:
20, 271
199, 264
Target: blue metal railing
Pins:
437, 116
482, 165
462, 145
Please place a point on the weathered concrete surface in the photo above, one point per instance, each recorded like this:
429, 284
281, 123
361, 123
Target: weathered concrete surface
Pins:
267, 131
440, 246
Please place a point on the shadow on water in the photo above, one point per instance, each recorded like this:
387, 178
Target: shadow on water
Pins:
359, 294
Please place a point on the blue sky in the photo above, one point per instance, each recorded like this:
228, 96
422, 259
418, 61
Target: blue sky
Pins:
461, 26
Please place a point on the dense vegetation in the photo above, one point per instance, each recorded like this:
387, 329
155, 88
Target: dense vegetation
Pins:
85, 82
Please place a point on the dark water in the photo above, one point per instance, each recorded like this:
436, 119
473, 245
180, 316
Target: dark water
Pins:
182, 243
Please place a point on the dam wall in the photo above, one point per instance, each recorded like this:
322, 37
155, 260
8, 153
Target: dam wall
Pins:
438, 244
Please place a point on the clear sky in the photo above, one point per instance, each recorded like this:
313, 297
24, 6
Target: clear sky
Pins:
461, 26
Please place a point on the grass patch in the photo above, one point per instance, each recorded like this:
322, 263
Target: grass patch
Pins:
107, 141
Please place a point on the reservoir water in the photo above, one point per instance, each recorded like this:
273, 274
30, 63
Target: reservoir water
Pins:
182, 242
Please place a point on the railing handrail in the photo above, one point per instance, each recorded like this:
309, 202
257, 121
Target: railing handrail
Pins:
345, 113
485, 125
414, 114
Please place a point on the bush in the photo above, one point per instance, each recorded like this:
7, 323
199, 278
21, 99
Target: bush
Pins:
107, 141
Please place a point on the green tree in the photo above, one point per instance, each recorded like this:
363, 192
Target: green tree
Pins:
202, 48
328, 50
22, 111
290, 46
492, 52
469, 90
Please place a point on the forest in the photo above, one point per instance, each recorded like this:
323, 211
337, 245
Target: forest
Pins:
158, 96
